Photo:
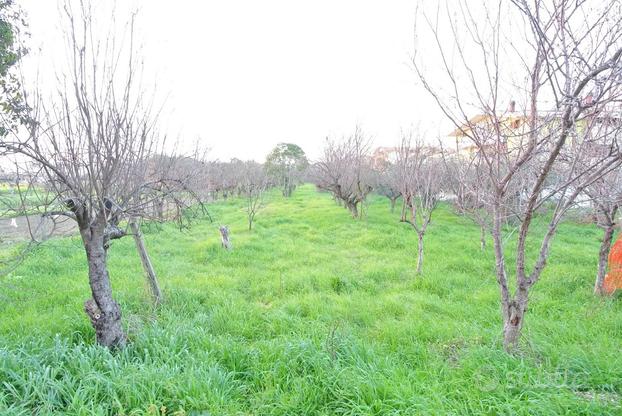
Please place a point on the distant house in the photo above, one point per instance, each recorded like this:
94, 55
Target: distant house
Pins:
486, 127
384, 156
509, 131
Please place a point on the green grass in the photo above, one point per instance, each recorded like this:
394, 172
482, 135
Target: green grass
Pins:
312, 313
14, 203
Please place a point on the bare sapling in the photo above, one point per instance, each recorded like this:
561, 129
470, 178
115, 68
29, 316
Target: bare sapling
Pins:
420, 180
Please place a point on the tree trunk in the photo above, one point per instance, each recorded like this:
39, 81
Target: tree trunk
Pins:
513, 316
420, 253
103, 310
603, 254
403, 216
354, 210
393, 200
152, 279
288, 187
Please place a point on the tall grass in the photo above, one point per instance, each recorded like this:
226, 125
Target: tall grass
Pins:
312, 313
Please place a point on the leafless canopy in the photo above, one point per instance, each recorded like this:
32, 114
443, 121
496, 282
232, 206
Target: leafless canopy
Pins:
420, 178
252, 182
385, 180
562, 60
344, 170
604, 195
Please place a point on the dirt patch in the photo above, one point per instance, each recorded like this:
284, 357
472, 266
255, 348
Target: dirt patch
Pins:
605, 397
34, 226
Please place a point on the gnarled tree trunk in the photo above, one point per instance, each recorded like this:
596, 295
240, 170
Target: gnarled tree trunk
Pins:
354, 210
513, 316
102, 309
605, 247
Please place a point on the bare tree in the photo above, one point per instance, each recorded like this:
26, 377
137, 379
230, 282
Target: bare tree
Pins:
605, 193
420, 179
230, 177
221, 179
467, 178
344, 170
606, 199
464, 180
94, 145
385, 181
555, 55
253, 183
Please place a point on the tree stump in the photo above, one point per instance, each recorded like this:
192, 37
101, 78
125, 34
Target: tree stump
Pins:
224, 237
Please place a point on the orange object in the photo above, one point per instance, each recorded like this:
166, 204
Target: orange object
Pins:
613, 279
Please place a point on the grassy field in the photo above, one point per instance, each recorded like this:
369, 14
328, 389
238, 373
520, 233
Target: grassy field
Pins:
312, 313
13, 203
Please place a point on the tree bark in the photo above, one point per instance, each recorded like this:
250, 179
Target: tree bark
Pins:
354, 210
420, 253
393, 200
510, 309
403, 216
603, 255
513, 316
150, 274
102, 309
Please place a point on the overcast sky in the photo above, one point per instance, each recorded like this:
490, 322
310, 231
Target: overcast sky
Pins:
245, 75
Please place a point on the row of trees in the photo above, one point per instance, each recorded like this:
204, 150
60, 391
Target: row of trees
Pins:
422, 175
585, 177
565, 60
511, 165
412, 170
285, 167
